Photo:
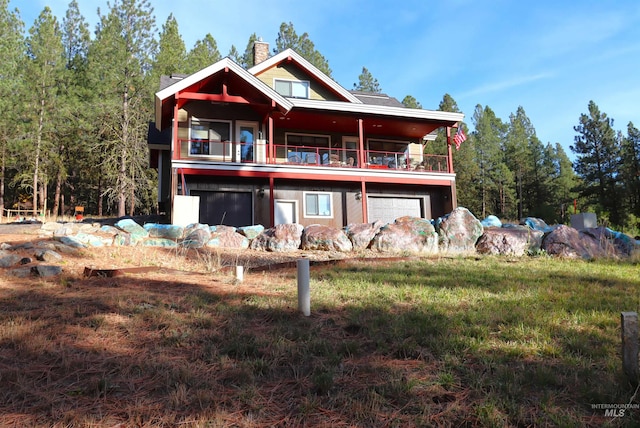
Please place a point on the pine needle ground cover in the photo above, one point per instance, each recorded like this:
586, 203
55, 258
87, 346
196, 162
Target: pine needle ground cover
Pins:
404, 342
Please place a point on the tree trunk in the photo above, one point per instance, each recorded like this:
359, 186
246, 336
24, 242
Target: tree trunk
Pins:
2, 172
100, 196
57, 195
122, 171
58, 187
37, 152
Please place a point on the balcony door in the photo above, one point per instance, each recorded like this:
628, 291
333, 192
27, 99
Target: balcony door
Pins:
246, 136
350, 150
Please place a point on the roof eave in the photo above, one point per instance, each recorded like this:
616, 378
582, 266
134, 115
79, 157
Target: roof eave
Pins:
399, 112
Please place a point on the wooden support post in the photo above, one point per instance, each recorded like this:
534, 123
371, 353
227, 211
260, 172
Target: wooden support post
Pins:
629, 322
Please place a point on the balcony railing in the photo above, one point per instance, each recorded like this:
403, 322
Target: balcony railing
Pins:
236, 152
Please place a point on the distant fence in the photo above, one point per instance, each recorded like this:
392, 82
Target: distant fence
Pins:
21, 213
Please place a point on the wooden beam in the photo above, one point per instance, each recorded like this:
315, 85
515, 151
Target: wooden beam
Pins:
225, 98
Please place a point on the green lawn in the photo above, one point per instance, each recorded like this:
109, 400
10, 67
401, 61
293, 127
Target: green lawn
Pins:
478, 341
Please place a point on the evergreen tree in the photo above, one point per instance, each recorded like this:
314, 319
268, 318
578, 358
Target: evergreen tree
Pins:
631, 168
518, 156
120, 61
172, 53
12, 48
367, 83
246, 60
204, 53
495, 180
288, 39
70, 151
411, 102
234, 55
539, 198
598, 162
45, 64
439, 146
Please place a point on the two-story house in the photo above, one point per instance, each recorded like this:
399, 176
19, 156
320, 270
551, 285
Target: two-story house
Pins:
284, 143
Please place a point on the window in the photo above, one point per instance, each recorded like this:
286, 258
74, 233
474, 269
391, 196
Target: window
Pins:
391, 154
305, 148
317, 204
210, 137
292, 88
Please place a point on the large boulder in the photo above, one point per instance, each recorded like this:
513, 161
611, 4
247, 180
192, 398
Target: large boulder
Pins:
227, 237
325, 238
167, 231
412, 234
536, 224
565, 241
196, 236
459, 231
491, 221
137, 233
613, 243
512, 241
281, 238
361, 234
251, 231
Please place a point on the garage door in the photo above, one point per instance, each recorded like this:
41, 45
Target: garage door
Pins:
228, 208
388, 209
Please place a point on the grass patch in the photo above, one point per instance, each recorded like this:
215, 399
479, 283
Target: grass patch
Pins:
425, 342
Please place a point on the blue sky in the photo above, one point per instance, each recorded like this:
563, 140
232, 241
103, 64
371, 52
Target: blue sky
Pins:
550, 57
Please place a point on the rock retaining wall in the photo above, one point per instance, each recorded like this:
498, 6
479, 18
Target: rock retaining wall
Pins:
459, 232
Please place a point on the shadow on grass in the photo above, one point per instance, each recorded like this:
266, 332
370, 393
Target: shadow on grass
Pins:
444, 347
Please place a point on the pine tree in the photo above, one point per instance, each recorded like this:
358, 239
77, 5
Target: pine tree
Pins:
631, 168
246, 60
288, 39
12, 48
120, 61
411, 102
367, 83
564, 183
45, 65
204, 53
597, 162
71, 146
495, 181
172, 53
518, 156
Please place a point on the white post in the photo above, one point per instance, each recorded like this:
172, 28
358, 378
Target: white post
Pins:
304, 295
629, 321
239, 273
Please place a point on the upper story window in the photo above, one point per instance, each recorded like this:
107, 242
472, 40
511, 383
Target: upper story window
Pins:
292, 88
210, 137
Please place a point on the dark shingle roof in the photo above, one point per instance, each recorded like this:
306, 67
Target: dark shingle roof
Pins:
377, 99
166, 81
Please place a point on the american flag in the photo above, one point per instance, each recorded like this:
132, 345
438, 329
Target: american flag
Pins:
459, 138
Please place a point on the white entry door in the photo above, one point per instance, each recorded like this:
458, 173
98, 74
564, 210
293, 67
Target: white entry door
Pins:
286, 212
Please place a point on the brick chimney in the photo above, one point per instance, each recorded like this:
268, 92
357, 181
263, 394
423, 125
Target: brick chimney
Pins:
260, 51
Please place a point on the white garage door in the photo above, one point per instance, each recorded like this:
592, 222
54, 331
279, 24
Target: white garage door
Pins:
389, 209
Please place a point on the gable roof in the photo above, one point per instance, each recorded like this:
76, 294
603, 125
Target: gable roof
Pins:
291, 55
354, 102
169, 92
377, 99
